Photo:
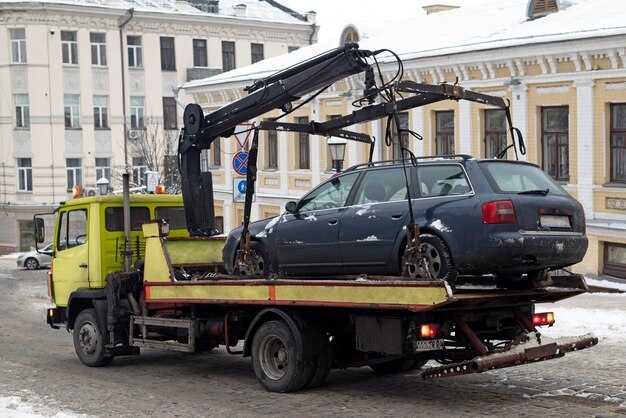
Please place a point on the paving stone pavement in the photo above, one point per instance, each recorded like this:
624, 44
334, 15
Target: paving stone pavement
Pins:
38, 364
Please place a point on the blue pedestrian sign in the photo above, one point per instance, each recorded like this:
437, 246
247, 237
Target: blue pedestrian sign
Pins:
240, 185
240, 162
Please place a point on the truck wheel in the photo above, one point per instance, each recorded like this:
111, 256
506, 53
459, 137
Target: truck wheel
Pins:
274, 359
394, 366
323, 363
89, 340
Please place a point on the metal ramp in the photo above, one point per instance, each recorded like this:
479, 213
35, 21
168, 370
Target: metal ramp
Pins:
141, 324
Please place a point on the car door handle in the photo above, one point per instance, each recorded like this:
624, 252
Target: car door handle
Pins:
332, 222
396, 217
83, 265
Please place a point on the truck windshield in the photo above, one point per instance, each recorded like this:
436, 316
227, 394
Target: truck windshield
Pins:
520, 178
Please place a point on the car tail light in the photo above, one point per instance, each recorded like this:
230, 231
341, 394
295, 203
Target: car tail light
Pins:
429, 330
499, 212
544, 318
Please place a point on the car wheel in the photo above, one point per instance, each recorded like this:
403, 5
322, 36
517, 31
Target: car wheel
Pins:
438, 257
260, 258
31, 264
89, 340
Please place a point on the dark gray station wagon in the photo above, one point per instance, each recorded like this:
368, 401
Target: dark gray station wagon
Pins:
476, 217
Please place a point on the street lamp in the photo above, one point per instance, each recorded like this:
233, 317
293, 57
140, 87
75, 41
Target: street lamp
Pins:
337, 148
103, 186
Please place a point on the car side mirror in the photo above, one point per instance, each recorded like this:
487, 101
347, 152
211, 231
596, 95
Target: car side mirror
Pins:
40, 231
291, 207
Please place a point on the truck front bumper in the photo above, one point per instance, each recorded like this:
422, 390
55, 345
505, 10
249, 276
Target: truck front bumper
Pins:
56, 317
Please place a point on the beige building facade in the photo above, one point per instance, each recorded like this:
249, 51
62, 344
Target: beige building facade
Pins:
568, 97
61, 119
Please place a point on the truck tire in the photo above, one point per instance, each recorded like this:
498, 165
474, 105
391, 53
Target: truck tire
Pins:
323, 363
395, 366
89, 340
275, 359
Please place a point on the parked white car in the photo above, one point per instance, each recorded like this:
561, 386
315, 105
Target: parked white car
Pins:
33, 260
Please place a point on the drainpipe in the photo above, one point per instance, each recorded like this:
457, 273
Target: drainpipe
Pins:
311, 17
126, 176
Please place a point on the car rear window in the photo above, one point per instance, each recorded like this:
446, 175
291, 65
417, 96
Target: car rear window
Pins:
174, 215
443, 180
516, 178
114, 218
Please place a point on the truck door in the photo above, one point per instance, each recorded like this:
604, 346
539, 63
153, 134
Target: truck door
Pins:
71, 256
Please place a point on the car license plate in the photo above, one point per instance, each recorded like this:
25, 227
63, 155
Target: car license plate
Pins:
429, 345
555, 221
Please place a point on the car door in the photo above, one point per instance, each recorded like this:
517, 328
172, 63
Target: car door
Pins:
307, 241
369, 227
71, 256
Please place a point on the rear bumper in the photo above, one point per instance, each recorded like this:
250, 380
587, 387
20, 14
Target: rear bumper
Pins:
524, 251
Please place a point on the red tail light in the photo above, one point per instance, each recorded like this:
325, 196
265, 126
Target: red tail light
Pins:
544, 318
429, 330
499, 212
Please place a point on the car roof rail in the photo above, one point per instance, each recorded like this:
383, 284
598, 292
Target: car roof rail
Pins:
383, 163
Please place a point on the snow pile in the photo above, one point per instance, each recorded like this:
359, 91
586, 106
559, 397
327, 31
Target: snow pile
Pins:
606, 284
15, 407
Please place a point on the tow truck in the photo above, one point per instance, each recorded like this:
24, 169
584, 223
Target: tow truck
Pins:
158, 285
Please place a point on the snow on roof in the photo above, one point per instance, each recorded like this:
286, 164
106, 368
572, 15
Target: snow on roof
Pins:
255, 9
406, 29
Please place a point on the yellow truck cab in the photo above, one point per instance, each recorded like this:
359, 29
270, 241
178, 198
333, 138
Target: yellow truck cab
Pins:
88, 242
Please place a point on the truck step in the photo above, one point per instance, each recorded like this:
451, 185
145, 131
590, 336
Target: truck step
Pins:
138, 333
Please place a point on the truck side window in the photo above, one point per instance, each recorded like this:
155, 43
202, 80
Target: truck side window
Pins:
443, 180
114, 218
72, 229
174, 215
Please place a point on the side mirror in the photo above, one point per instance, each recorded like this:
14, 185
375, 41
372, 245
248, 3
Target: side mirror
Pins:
291, 207
40, 231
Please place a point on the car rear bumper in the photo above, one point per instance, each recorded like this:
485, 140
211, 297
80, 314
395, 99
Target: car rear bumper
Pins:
524, 251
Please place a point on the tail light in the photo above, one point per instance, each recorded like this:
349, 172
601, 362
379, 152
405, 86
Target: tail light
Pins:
499, 212
429, 330
544, 318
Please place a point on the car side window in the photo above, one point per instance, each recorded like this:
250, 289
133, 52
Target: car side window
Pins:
387, 185
72, 229
443, 180
332, 194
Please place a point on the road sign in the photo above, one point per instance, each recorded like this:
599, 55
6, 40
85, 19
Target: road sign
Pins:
239, 189
242, 134
240, 163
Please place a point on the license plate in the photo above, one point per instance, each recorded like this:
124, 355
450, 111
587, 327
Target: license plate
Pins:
555, 221
428, 345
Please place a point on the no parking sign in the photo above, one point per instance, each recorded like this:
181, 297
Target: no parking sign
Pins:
240, 162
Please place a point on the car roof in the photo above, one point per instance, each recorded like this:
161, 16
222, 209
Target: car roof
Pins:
430, 160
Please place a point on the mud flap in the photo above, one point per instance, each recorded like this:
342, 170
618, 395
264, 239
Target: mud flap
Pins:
535, 348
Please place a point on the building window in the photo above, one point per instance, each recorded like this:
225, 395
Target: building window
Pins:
135, 51
100, 112
103, 168
257, 53
555, 140
22, 111
216, 151
615, 259
98, 48
74, 173
304, 149
18, 46
396, 146
24, 175
444, 133
618, 143
228, 56
271, 153
219, 224
139, 171
495, 132
290, 49
169, 113
69, 47
168, 54
136, 112
71, 110
200, 53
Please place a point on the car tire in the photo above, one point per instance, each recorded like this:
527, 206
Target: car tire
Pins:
260, 252
439, 258
89, 340
275, 359
31, 263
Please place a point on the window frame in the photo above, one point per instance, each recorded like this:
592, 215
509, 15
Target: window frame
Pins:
65, 214
420, 194
72, 110
100, 49
139, 169
446, 135
103, 169
259, 54
271, 145
198, 54
227, 53
170, 120
22, 112
501, 135
304, 143
71, 46
18, 45
75, 172
216, 153
135, 51
137, 113
101, 114
613, 132
559, 135
349, 196
168, 53
617, 270
24, 175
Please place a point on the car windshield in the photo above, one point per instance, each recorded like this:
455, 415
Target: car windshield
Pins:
520, 178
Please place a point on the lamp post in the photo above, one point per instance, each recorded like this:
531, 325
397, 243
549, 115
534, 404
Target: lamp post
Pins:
103, 186
337, 148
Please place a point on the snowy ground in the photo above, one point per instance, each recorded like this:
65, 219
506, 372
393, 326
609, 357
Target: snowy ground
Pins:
18, 407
